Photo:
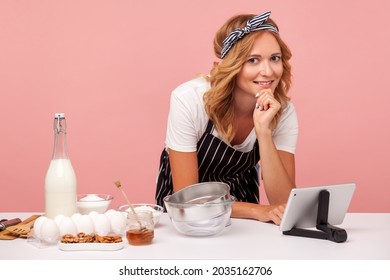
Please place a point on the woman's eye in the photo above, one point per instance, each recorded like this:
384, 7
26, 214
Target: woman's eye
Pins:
276, 58
253, 60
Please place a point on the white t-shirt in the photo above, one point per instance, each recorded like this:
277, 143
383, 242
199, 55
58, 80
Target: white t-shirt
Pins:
187, 121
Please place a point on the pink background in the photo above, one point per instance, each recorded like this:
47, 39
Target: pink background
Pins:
111, 65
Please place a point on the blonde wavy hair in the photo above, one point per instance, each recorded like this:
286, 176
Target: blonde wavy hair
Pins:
219, 99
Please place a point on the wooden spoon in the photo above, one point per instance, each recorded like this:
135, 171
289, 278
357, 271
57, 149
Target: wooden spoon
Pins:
6, 235
21, 229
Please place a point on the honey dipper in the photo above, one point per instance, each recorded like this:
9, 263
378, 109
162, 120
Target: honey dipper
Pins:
119, 186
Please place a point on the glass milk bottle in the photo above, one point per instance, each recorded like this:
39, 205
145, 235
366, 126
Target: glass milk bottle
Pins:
60, 181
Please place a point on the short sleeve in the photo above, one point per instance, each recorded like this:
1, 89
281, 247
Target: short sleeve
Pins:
286, 133
187, 117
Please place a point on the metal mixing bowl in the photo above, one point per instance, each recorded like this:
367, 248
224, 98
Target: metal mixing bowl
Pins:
202, 193
199, 219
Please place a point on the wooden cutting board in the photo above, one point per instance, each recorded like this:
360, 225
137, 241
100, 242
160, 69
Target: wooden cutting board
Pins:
6, 235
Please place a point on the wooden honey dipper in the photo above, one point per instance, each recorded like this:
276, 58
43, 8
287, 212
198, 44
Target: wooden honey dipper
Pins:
119, 186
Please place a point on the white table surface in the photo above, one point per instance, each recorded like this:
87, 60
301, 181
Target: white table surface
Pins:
368, 239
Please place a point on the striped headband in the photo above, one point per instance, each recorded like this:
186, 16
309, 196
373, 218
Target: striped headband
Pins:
254, 24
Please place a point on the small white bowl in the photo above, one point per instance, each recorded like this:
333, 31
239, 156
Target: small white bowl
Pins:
87, 203
154, 208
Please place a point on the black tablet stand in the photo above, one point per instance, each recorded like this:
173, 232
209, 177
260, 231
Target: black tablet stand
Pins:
325, 230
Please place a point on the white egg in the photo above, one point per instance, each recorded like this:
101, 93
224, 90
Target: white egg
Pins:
124, 213
93, 214
85, 225
75, 217
109, 213
102, 224
118, 223
49, 232
67, 226
58, 218
37, 226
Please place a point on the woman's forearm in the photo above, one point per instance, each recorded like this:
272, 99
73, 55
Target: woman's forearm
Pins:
263, 213
278, 174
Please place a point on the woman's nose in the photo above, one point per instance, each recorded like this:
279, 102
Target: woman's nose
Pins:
265, 68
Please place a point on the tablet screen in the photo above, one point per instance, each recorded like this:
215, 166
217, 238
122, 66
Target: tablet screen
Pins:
302, 206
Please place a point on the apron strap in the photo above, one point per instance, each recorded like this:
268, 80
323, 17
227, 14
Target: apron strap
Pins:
210, 127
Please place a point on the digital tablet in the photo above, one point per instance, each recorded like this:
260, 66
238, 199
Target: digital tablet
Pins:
302, 205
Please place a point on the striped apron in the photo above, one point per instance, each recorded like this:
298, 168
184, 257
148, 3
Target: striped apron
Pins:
218, 162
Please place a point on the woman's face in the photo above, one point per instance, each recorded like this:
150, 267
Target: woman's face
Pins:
263, 67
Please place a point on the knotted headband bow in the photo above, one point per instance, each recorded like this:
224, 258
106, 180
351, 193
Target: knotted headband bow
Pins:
254, 24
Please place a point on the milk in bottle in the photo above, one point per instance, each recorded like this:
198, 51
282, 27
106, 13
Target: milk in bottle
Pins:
60, 181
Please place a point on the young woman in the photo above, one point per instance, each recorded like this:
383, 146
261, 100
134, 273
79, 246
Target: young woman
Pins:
237, 124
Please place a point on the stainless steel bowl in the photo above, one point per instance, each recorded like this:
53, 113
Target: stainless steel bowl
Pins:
199, 219
201, 193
